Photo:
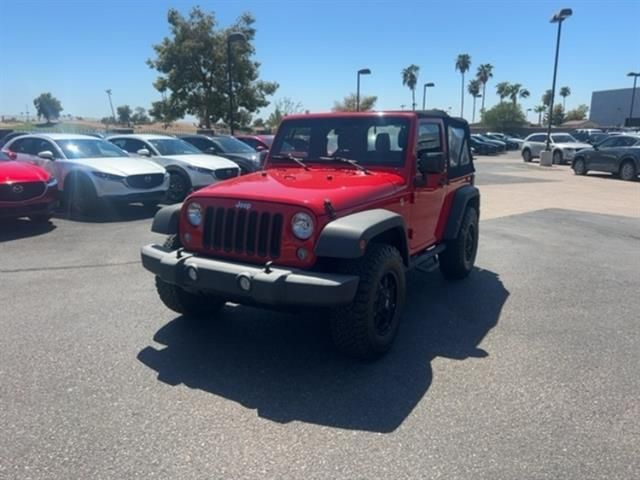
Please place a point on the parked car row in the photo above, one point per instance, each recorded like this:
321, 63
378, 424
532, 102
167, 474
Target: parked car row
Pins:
616, 154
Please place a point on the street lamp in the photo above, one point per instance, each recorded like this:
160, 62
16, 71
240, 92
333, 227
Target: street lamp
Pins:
424, 93
558, 18
362, 71
633, 93
232, 37
113, 113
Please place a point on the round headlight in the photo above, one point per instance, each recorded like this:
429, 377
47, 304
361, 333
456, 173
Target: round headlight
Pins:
302, 225
194, 214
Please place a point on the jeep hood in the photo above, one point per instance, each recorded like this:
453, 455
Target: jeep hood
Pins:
345, 188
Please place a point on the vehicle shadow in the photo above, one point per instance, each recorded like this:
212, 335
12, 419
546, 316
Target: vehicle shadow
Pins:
109, 213
15, 229
284, 366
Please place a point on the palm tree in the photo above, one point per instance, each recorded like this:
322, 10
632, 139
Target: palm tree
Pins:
485, 72
410, 79
524, 93
503, 89
564, 93
474, 90
463, 62
546, 98
540, 109
516, 91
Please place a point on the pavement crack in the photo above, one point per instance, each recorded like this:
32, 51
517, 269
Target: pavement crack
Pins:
68, 267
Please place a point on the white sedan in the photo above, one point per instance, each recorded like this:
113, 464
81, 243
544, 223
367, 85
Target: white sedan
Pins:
188, 167
89, 169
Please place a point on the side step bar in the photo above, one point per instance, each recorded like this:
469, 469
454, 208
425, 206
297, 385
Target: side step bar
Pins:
427, 261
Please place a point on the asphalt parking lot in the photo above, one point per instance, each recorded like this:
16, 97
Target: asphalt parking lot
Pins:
527, 369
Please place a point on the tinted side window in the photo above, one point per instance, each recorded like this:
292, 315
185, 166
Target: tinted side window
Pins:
537, 138
20, 145
252, 142
627, 141
120, 142
40, 145
429, 138
456, 145
201, 144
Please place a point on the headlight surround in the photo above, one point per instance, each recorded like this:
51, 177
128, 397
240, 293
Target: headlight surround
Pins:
302, 225
194, 214
108, 176
206, 171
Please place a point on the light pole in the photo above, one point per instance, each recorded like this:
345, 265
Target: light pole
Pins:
113, 113
232, 37
558, 18
633, 93
424, 93
362, 71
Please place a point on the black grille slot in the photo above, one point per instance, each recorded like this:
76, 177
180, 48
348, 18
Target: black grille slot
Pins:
243, 231
151, 180
224, 173
16, 192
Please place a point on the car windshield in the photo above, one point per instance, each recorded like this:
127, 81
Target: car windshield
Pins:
89, 148
173, 146
563, 138
372, 140
233, 145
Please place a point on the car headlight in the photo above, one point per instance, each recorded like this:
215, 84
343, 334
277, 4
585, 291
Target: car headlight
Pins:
52, 182
200, 169
194, 214
302, 225
108, 176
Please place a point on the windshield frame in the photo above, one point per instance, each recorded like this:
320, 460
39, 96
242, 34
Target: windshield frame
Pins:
190, 149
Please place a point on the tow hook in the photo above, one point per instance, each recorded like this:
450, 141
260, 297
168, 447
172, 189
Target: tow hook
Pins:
267, 266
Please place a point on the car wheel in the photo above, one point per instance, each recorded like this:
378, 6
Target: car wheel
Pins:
179, 300
580, 167
179, 187
526, 155
557, 157
367, 327
80, 196
459, 256
46, 218
627, 170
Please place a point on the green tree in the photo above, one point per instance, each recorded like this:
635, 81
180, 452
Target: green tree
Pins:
474, 90
579, 113
558, 115
463, 63
564, 93
47, 106
367, 103
546, 98
503, 116
124, 114
194, 68
540, 109
258, 124
140, 116
410, 79
516, 91
503, 89
283, 107
165, 112
485, 72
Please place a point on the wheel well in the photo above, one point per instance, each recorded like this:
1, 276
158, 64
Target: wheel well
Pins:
73, 177
475, 203
627, 160
395, 237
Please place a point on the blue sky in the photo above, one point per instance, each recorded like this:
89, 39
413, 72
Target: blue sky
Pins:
76, 49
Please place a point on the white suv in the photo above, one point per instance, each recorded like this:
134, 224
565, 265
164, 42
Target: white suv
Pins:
563, 146
189, 168
89, 169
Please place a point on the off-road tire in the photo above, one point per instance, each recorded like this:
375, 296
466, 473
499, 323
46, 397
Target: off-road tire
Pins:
557, 158
526, 155
189, 304
580, 167
627, 170
367, 327
456, 262
45, 218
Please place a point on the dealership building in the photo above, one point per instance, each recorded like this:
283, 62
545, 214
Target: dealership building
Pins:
610, 108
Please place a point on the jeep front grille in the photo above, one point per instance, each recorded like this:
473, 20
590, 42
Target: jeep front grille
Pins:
18, 192
242, 231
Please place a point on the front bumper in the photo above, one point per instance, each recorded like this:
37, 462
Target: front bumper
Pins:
281, 286
15, 211
153, 196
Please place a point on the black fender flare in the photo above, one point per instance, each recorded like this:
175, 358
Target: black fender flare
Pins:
462, 198
348, 236
167, 219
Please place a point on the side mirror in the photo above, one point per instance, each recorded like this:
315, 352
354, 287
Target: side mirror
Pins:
211, 150
260, 148
431, 163
46, 154
143, 152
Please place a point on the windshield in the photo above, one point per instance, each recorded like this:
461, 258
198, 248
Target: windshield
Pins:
563, 138
375, 140
89, 148
174, 146
233, 145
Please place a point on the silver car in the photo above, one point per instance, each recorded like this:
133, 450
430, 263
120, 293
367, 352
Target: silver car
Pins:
188, 167
89, 169
563, 146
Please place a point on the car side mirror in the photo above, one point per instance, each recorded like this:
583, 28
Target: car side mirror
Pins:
260, 148
143, 152
46, 154
431, 163
211, 150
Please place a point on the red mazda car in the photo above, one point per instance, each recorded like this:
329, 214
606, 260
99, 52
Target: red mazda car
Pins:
26, 191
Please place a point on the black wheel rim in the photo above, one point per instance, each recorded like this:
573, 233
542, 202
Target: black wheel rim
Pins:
469, 243
579, 166
557, 157
386, 304
177, 188
627, 171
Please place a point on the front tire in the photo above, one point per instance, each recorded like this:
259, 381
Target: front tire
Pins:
557, 158
526, 155
189, 304
179, 187
46, 218
459, 256
80, 196
367, 327
580, 167
627, 171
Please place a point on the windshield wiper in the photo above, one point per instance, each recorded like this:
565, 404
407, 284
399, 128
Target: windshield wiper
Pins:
338, 158
288, 156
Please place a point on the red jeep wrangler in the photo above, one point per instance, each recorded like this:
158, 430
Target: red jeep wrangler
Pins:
346, 204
